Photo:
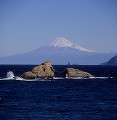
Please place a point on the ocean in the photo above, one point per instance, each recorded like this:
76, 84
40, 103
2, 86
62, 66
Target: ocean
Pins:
59, 98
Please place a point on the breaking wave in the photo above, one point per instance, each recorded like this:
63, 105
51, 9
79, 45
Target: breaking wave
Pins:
10, 76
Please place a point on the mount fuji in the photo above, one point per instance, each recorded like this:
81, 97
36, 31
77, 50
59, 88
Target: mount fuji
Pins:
59, 51
62, 42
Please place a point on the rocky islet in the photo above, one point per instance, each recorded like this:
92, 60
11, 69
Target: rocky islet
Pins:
73, 73
46, 70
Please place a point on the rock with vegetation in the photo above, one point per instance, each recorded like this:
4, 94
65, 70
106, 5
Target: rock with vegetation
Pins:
73, 73
44, 70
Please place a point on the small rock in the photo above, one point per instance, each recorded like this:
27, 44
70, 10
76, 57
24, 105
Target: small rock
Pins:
72, 73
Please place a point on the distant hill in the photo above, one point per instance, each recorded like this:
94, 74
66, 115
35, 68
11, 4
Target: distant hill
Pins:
112, 61
59, 51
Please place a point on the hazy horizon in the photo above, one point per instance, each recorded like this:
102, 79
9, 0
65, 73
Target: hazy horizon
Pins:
26, 25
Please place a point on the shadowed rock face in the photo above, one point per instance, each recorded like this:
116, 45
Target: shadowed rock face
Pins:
44, 70
71, 73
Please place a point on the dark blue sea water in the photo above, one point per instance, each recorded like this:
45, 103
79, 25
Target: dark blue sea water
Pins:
59, 98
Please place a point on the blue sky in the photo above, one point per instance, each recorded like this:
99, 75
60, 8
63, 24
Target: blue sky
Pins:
28, 24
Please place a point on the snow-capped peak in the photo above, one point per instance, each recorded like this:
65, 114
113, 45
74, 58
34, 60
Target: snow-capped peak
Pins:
62, 42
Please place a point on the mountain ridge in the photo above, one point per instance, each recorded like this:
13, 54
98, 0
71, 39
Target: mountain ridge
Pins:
59, 52
112, 61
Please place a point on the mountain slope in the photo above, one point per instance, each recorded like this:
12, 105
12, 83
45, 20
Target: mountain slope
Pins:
59, 51
112, 61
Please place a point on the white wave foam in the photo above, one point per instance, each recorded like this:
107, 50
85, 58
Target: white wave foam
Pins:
10, 75
58, 78
18, 78
88, 78
37, 79
100, 77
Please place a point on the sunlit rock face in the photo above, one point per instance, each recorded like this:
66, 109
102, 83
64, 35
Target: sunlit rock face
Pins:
44, 70
73, 73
